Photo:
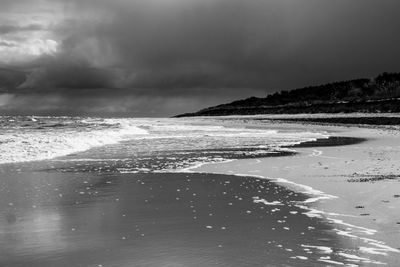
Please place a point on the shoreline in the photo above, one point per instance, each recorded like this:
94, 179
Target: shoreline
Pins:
311, 206
157, 219
324, 168
370, 121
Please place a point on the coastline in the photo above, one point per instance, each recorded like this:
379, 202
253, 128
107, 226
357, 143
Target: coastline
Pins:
297, 208
364, 205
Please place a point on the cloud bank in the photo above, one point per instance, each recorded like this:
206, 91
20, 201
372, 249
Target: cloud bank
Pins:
161, 57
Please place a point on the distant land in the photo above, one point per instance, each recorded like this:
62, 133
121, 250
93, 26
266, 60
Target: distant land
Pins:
376, 95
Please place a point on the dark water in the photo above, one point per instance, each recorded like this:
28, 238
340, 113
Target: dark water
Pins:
177, 219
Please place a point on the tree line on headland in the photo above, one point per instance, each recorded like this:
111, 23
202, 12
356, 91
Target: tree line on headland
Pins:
379, 94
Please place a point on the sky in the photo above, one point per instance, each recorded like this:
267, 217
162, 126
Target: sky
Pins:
158, 58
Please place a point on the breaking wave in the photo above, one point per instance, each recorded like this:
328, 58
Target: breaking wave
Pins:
30, 139
168, 143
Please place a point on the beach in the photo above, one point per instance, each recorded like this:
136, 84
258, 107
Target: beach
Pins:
358, 183
158, 220
199, 133
249, 193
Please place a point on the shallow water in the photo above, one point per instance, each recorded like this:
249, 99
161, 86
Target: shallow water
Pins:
66, 219
98, 139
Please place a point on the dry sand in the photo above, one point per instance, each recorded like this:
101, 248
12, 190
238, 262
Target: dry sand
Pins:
360, 186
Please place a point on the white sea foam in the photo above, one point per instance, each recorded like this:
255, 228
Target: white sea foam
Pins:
317, 194
376, 251
24, 139
357, 258
352, 231
299, 257
323, 249
263, 201
20, 145
330, 261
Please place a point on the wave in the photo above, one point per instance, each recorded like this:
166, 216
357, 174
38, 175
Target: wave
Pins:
181, 142
62, 138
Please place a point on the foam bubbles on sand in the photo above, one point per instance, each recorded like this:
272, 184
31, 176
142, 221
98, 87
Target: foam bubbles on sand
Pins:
308, 190
358, 259
299, 257
323, 249
375, 247
263, 201
351, 231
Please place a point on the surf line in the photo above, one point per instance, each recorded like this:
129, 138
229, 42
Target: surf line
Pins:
378, 247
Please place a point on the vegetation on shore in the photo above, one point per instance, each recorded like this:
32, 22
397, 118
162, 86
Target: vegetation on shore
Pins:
379, 94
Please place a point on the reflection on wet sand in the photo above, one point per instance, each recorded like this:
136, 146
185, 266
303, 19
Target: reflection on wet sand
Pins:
65, 219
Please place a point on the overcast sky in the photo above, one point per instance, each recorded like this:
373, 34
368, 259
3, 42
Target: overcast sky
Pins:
164, 57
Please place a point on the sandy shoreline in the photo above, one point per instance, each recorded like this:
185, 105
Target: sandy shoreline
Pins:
339, 171
158, 219
330, 202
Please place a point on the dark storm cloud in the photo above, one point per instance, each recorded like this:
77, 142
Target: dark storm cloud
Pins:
62, 73
7, 44
209, 44
4, 29
235, 44
176, 49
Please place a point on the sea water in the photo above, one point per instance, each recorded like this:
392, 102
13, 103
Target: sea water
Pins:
131, 145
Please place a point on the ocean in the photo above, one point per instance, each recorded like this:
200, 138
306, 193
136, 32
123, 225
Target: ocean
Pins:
130, 145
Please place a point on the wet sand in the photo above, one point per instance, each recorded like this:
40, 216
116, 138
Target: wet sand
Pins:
377, 120
361, 180
160, 219
333, 202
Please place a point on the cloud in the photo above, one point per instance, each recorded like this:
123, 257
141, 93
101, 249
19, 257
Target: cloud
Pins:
115, 54
231, 43
58, 73
8, 44
5, 99
10, 79
5, 29
142, 45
